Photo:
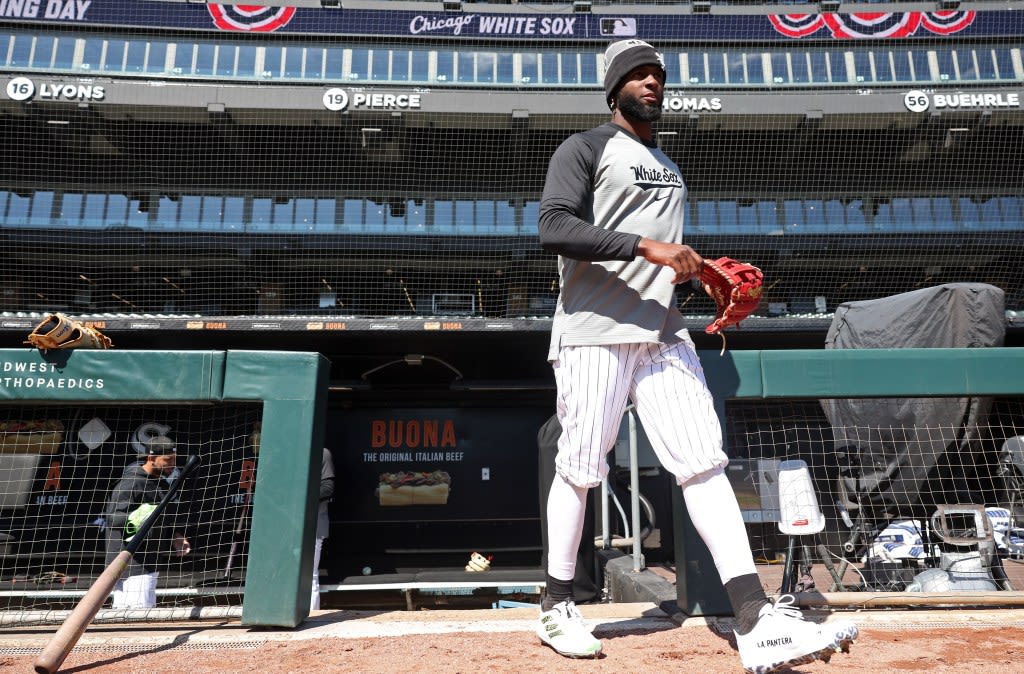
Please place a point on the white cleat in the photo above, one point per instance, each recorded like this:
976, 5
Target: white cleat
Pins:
782, 638
562, 628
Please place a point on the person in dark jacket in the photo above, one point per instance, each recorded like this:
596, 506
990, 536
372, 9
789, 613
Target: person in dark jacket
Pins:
142, 486
322, 522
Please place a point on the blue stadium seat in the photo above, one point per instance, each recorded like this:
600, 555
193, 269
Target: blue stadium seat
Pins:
835, 215
883, 218
444, 218
970, 215
1011, 208
92, 213
795, 219
42, 209
817, 219
748, 218
707, 217
352, 216
375, 218
483, 217
728, 218
504, 218
17, 209
856, 220
531, 211
902, 215
991, 216
767, 215
465, 217
942, 214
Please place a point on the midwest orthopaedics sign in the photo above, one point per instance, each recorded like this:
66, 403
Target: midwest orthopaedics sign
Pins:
336, 100
42, 376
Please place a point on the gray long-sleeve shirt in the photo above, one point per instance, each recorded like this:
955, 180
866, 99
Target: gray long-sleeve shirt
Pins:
605, 189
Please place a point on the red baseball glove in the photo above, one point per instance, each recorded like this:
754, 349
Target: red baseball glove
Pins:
736, 289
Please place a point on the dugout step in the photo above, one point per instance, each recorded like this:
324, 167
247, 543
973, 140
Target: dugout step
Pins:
438, 578
446, 588
624, 585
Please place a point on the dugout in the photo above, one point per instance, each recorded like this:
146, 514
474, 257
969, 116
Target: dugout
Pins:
226, 391
416, 543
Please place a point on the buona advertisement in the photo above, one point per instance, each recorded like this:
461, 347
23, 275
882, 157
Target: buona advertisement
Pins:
436, 464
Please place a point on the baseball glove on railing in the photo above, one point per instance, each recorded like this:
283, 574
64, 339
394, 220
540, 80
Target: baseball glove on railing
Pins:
736, 289
58, 331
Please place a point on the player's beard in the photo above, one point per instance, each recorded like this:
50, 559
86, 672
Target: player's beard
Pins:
633, 107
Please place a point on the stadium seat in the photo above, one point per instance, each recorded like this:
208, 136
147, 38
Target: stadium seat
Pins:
835, 216
941, 214
505, 218
991, 216
856, 221
883, 218
795, 217
970, 215
748, 218
902, 215
767, 215
814, 212
728, 218
1011, 209
706, 217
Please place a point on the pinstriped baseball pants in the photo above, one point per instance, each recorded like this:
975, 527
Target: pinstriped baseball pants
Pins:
666, 384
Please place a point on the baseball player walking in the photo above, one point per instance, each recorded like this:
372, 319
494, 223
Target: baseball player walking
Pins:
613, 209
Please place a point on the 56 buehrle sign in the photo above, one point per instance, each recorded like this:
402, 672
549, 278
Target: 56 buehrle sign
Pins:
919, 101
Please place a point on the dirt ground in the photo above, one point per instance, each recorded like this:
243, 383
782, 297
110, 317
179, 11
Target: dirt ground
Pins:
697, 650
638, 639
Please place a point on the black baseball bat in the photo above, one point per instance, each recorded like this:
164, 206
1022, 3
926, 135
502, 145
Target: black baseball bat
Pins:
71, 630
236, 536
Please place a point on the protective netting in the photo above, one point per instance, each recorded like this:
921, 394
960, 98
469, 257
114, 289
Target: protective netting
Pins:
232, 160
876, 488
59, 466
879, 488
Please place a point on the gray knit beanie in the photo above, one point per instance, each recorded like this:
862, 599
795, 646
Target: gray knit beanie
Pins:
622, 57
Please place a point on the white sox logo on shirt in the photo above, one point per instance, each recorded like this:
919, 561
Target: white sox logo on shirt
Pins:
661, 176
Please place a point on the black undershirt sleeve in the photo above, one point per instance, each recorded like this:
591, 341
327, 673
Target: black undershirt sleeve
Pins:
565, 205
563, 233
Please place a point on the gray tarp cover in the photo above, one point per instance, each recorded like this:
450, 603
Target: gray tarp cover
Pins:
892, 444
